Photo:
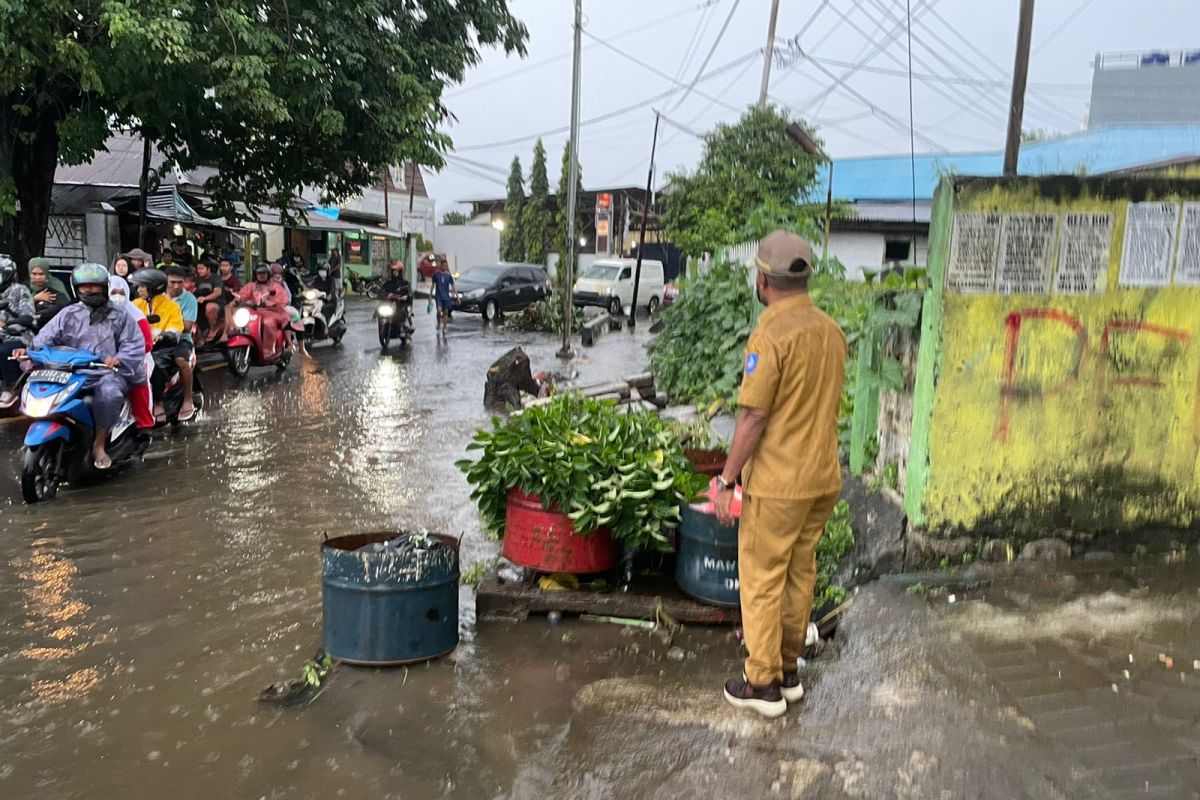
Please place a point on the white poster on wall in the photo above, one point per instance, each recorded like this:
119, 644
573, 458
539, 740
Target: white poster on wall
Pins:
1084, 250
1149, 244
1026, 247
1187, 268
973, 245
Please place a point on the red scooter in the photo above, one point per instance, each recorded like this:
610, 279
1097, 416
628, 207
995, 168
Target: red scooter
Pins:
246, 347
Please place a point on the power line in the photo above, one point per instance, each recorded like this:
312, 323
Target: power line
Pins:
707, 58
934, 78
1062, 26
694, 42
610, 114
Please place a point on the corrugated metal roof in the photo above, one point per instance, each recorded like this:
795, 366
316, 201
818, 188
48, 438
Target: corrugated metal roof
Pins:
1095, 152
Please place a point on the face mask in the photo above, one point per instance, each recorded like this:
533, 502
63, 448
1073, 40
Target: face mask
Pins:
323, 273
116, 299
94, 300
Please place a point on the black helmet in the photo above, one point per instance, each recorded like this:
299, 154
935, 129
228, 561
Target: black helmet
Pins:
90, 274
155, 281
262, 267
8, 270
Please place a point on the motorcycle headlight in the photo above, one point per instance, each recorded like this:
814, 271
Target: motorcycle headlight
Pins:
241, 317
386, 310
35, 407
311, 294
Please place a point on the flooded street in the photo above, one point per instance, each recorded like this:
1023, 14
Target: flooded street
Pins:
141, 617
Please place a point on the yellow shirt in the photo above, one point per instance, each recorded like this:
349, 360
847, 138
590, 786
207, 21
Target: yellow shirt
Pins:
170, 318
795, 364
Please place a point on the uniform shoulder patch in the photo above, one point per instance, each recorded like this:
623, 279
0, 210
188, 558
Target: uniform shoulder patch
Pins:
751, 363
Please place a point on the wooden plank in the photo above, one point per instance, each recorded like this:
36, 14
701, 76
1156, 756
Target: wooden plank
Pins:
509, 601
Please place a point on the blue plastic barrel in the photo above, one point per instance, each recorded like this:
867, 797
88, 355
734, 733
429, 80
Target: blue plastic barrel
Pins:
390, 607
706, 565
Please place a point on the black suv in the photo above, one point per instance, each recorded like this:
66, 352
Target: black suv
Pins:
493, 290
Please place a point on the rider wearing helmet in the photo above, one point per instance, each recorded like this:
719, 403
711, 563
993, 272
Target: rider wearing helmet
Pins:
399, 290
16, 309
270, 298
168, 331
96, 325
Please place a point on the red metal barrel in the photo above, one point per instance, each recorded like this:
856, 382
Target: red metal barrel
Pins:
544, 540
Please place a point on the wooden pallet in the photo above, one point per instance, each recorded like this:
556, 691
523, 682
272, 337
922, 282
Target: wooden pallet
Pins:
517, 601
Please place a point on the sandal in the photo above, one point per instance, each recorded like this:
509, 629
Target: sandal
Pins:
182, 417
104, 465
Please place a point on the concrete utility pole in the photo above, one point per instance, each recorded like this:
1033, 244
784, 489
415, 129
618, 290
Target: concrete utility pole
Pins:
1016, 112
637, 272
566, 261
770, 54
411, 250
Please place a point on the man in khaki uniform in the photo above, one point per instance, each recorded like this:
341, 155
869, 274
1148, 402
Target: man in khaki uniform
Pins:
785, 447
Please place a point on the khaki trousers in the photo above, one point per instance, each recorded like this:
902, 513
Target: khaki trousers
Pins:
777, 571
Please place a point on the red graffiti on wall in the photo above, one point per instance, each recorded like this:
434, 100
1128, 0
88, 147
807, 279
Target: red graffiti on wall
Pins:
1013, 389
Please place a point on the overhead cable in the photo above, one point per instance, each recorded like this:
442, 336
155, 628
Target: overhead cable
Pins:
707, 58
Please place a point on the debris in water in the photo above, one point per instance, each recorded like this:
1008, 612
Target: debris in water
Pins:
644, 624
304, 690
559, 582
554, 617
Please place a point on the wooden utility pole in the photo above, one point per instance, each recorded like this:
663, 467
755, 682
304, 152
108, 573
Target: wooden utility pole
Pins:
1016, 112
637, 271
768, 55
566, 260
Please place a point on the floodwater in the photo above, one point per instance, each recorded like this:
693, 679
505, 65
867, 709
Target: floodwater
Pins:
140, 618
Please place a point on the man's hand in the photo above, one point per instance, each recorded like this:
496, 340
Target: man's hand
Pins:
723, 506
112, 362
45, 296
18, 353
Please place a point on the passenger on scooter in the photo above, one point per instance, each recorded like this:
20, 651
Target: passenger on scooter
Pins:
183, 352
278, 277
49, 295
270, 298
140, 403
151, 286
399, 290
326, 282
210, 295
94, 324
232, 281
16, 309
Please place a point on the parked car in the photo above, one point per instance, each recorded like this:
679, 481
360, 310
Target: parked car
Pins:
608, 283
429, 264
492, 290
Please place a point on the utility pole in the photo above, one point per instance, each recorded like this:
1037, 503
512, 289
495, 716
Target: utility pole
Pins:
770, 54
411, 252
1016, 112
566, 260
637, 271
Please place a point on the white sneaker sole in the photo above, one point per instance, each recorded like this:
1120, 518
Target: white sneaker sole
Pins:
793, 695
766, 708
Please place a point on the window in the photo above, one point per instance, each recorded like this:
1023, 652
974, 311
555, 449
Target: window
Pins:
895, 250
626, 274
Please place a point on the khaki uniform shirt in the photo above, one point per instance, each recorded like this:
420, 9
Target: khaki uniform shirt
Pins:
795, 364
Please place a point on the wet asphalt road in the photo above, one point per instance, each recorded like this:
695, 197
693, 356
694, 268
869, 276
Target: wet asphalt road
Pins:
139, 618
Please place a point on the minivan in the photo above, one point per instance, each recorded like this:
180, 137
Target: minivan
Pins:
608, 283
496, 288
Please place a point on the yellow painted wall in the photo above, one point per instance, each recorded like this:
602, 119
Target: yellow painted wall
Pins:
1079, 411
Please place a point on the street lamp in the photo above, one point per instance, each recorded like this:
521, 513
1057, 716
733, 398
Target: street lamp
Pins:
498, 224
800, 136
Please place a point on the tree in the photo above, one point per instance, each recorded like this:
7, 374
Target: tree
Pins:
568, 247
744, 167
275, 96
512, 244
456, 218
536, 222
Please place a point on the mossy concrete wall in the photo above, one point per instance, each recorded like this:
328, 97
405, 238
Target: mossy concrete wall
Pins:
1052, 405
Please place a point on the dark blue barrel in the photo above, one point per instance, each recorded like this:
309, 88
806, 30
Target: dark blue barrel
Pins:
706, 559
390, 607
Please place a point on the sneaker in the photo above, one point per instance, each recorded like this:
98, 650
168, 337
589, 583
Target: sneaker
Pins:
791, 688
6, 397
767, 701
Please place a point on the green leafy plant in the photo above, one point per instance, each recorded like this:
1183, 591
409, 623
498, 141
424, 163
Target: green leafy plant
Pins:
473, 575
601, 466
545, 316
835, 545
699, 435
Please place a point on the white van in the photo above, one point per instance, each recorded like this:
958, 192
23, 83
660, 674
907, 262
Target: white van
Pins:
608, 283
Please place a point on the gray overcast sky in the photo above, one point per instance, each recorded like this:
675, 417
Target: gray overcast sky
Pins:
962, 55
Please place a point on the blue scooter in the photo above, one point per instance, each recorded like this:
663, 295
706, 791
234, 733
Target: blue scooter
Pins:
58, 445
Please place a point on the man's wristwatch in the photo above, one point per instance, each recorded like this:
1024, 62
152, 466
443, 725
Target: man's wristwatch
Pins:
725, 486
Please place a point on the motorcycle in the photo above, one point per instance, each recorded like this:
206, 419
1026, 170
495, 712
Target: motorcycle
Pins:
245, 348
13, 406
172, 399
393, 317
312, 316
58, 445
368, 286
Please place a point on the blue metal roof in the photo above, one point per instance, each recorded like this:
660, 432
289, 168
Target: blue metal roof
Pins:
1095, 152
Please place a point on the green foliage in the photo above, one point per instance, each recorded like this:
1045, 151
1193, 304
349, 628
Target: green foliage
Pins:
315, 670
512, 244
275, 96
536, 223
456, 218
835, 545
749, 171
699, 435
568, 248
545, 316
602, 466
698, 356
890, 477
475, 574
917, 588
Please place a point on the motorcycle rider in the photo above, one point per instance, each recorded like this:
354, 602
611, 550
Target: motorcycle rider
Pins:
16, 308
183, 351
95, 324
326, 282
151, 286
270, 299
399, 290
